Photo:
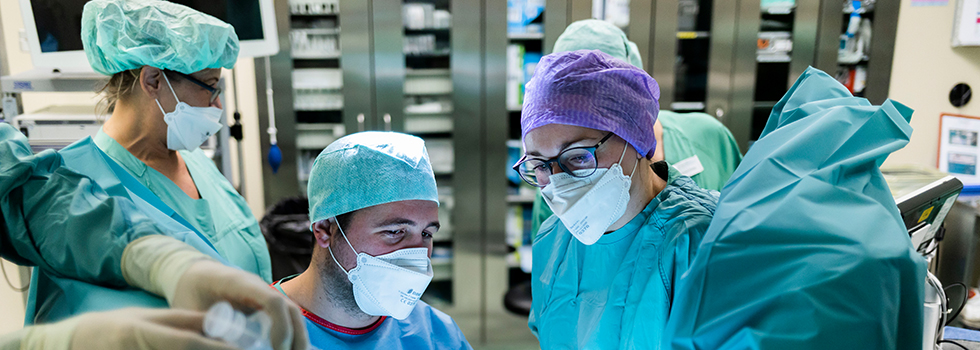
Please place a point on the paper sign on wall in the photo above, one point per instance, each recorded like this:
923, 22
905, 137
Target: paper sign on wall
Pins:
966, 25
958, 147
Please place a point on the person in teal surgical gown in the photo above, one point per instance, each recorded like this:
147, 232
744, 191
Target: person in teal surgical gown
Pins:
625, 227
165, 61
102, 244
807, 249
696, 144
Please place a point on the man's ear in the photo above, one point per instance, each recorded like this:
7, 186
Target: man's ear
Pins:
322, 231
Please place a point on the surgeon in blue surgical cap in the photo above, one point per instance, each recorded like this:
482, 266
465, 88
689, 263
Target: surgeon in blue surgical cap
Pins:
374, 208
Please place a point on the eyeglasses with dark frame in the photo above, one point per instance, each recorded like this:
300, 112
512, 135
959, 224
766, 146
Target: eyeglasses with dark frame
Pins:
573, 161
215, 91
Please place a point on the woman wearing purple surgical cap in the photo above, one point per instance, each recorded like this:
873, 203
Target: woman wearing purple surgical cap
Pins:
624, 227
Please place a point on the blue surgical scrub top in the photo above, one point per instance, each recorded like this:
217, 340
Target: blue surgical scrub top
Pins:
425, 328
616, 293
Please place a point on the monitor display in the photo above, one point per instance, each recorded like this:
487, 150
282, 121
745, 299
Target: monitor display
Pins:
58, 22
54, 29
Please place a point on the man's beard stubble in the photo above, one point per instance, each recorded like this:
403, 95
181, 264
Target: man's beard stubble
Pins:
338, 288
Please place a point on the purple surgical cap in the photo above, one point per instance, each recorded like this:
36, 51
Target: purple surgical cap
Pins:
593, 90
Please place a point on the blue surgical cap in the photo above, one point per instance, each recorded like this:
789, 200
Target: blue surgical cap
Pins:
367, 169
120, 35
594, 34
593, 90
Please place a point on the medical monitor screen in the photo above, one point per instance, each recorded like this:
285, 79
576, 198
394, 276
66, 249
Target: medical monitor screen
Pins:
59, 22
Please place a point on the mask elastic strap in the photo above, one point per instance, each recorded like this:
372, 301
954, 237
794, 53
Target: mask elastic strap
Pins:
623, 156
345, 239
335, 260
170, 86
161, 107
344, 235
171, 91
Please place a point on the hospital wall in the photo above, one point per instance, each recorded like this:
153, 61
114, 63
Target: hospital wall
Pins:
925, 69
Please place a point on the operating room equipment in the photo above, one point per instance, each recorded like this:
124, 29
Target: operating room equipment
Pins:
923, 210
275, 154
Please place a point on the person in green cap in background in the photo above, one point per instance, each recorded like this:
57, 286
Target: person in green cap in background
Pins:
696, 144
165, 61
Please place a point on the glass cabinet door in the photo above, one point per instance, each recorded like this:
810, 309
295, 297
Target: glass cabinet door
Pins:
694, 29
424, 108
318, 94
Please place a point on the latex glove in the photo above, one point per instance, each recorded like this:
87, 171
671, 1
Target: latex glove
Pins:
190, 280
124, 329
208, 282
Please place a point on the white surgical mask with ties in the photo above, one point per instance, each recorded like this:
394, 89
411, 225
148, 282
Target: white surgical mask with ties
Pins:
390, 284
188, 127
587, 206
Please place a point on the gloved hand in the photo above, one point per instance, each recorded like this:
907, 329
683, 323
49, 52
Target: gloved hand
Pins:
208, 282
190, 280
124, 329
139, 329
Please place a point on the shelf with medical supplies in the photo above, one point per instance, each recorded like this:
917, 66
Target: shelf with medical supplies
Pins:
314, 7
519, 221
317, 80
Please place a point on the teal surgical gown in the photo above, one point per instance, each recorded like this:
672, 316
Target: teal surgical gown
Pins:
71, 214
221, 214
807, 249
425, 328
616, 294
696, 144
53, 217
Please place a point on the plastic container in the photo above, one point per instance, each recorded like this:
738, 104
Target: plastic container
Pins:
232, 326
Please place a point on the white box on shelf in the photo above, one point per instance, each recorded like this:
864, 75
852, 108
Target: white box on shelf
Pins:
315, 43
418, 16
314, 7
428, 82
440, 155
317, 100
318, 78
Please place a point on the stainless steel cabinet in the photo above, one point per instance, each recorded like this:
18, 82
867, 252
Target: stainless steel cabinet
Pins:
734, 59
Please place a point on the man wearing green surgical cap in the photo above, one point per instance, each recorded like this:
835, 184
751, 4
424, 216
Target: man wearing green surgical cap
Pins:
696, 144
374, 209
165, 61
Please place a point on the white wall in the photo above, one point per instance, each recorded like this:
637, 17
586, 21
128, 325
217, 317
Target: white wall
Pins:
11, 301
925, 68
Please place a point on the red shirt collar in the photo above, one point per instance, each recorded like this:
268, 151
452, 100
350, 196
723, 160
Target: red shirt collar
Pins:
327, 324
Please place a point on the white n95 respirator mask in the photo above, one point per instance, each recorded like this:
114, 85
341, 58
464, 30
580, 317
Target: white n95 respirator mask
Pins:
187, 126
390, 284
587, 206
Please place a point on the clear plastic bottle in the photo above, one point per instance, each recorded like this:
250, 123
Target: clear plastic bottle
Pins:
250, 332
